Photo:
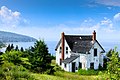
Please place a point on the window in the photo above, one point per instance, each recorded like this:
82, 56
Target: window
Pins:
60, 50
80, 65
66, 50
65, 65
60, 61
95, 52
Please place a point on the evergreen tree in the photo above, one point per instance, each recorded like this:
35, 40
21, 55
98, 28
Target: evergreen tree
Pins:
11, 47
109, 54
39, 57
16, 48
22, 49
8, 48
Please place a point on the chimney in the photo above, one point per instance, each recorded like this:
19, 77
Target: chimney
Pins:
94, 36
63, 45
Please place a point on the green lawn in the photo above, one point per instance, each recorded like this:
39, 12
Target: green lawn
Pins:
60, 75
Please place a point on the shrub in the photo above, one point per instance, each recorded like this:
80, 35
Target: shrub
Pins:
9, 71
88, 72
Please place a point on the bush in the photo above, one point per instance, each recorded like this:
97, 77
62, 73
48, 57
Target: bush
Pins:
57, 68
88, 72
9, 71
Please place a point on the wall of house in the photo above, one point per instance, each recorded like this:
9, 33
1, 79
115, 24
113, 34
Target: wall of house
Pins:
83, 60
58, 54
69, 65
95, 59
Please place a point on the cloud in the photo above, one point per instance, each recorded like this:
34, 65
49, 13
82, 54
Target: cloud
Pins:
109, 2
117, 17
10, 18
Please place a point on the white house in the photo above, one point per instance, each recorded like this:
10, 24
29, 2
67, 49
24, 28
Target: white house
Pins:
79, 51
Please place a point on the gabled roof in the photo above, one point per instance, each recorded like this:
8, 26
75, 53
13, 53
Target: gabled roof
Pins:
101, 47
79, 43
68, 60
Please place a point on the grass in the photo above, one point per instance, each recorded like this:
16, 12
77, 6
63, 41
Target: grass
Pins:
60, 75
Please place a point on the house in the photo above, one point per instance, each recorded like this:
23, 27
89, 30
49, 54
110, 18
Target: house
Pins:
79, 51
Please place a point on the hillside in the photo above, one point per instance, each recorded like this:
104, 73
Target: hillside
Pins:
13, 37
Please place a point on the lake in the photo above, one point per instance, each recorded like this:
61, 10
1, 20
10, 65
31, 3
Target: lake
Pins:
52, 44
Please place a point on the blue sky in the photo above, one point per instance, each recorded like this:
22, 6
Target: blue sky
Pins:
46, 19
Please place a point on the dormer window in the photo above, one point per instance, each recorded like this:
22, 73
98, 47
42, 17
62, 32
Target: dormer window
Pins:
95, 52
66, 50
60, 50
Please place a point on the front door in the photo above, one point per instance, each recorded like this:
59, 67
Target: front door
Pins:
73, 67
91, 65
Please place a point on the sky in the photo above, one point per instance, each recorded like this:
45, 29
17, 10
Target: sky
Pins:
47, 19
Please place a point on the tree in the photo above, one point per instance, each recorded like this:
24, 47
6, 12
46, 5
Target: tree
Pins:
1, 58
11, 47
39, 57
16, 48
22, 49
109, 54
16, 57
114, 66
8, 48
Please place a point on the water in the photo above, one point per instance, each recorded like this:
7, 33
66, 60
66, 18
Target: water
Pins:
52, 44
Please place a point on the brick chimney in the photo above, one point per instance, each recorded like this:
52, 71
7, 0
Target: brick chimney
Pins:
94, 35
63, 45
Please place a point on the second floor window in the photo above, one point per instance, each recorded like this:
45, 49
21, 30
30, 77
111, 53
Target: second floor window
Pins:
60, 50
66, 50
95, 52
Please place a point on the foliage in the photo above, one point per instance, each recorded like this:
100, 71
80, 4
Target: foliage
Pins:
21, 49
16, 57
114, 66
39, 57
16, 48
9, 71
109, 54
88, 72
105, 63
1, 58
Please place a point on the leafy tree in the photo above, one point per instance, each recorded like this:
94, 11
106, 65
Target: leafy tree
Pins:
1, 58
114, 66
16, 58
39, 57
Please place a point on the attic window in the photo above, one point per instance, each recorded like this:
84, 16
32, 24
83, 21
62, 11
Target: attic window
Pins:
60, 50
66, 50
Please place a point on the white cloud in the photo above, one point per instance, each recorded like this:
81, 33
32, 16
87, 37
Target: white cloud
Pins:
109, 2
10, 18
117, 17
104, 28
